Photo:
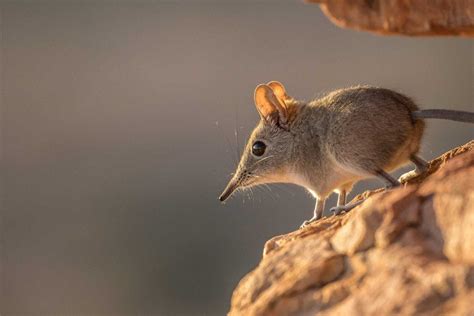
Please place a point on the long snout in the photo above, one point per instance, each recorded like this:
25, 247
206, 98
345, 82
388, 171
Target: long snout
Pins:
229, 189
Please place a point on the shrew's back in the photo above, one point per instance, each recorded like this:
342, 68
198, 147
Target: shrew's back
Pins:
371, 128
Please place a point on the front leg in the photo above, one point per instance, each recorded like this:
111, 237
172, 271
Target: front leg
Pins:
341, 197
318, 212
342, 193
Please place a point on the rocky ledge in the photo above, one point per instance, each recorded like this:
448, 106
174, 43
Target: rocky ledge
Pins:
405, 251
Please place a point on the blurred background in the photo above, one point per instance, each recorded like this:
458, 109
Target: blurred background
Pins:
121, 123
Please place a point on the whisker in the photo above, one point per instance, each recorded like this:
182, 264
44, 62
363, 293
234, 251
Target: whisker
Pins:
269, 192
257, 197
237, 146
269, 189
247, 192
258, 161
235, 159
236, 132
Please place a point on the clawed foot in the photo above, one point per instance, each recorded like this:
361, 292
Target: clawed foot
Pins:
336, 210
344, 208
408, 176
391, 186
309, 221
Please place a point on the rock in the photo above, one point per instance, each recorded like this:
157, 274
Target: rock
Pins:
407, 17
405, 251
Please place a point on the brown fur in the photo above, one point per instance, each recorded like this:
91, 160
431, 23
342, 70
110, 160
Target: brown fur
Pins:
332, 142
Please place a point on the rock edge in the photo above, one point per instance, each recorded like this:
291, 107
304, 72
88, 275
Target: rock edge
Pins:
405, 251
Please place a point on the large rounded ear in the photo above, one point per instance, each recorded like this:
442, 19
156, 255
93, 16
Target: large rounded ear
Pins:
279, 90
271, 109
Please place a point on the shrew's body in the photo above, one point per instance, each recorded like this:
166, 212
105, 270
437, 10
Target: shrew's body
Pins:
332, 142
338, 131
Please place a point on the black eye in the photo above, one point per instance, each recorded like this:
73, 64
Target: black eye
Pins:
258, 148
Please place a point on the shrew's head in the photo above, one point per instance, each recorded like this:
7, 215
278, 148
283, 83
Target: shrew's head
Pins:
268, 152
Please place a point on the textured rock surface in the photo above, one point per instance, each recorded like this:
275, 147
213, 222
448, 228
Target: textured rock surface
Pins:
405, 251
408, 17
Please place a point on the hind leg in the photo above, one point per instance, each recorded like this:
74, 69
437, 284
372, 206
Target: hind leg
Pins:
341, 197
341, 200
384, 176
420, 166
390, 181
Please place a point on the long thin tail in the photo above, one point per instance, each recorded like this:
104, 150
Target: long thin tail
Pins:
452, 115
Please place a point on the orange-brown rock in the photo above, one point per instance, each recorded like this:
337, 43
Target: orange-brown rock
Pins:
402, 252
405, 17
